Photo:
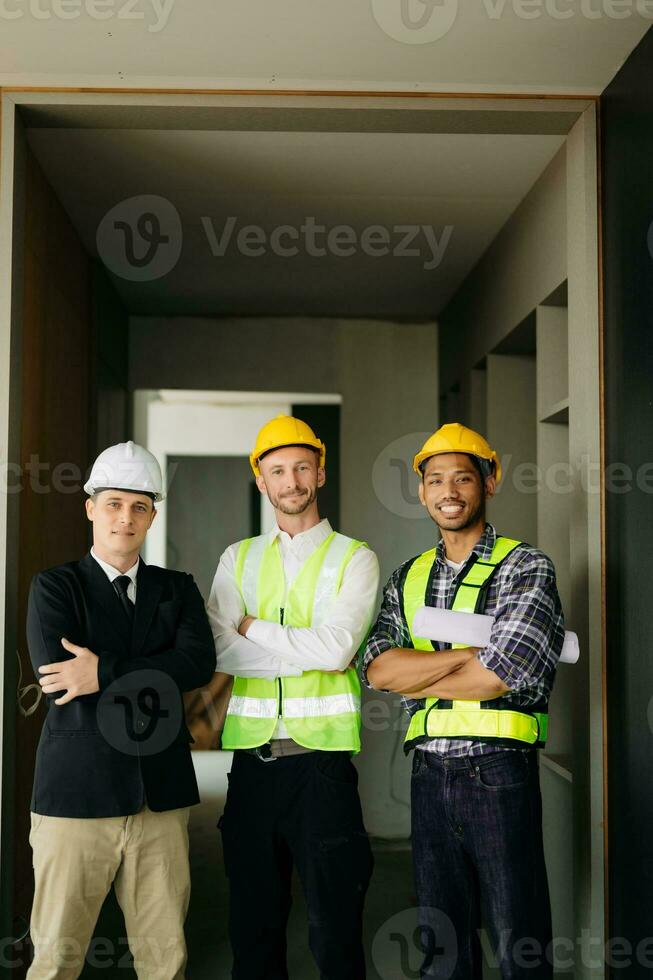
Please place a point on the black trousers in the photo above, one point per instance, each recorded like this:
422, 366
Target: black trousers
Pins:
301, 811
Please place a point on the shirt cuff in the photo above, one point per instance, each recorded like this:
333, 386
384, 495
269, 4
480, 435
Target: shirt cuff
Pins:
380, 646
502, 665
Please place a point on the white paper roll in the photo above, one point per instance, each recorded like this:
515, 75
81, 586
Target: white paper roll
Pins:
473, 630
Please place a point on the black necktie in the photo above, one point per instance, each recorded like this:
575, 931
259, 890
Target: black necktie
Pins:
121, 584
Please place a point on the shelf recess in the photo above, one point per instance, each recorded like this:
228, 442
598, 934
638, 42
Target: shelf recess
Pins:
558, 413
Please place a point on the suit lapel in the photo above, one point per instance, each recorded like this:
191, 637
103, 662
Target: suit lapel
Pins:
101, 597
148, 595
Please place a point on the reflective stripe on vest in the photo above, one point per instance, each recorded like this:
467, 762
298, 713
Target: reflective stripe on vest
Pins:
320, 710
481, 720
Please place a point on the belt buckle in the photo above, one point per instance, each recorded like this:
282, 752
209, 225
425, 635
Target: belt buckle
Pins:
268, 757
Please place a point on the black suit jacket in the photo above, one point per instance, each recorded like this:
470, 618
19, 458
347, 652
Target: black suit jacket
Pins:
106, 754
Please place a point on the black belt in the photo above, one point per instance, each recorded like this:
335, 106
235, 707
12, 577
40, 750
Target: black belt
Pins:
271, 751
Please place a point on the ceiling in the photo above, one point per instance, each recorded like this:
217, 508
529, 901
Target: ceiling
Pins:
453, 186
444, 196
531, 46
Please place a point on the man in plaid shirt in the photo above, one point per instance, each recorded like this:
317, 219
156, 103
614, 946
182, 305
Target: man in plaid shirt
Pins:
476, 806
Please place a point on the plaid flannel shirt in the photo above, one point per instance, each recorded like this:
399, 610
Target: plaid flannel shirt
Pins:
526, 638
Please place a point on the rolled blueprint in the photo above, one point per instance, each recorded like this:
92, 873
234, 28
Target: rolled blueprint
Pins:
472, 630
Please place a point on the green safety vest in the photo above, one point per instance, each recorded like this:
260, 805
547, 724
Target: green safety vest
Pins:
320, 710
496, 721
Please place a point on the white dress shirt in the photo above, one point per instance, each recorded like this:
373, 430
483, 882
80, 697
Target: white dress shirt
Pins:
113, 573
271, 650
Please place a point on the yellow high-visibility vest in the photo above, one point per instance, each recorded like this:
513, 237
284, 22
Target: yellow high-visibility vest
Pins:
320, 710
488, 721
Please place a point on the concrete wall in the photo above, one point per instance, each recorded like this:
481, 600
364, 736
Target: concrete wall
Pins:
111, 405
387, 376
526, 262
211, 503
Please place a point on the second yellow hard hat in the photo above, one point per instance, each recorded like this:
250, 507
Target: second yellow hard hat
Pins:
282, 431
457, 438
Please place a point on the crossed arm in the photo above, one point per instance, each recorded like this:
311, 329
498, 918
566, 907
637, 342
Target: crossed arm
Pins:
251, 647
71, 670
455, 674
522, 654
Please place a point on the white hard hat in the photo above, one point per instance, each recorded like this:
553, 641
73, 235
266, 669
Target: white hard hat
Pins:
126, 466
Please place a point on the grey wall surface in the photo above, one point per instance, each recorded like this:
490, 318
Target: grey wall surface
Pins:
387, 375
526, 262
210, 505
234, 353
110, 370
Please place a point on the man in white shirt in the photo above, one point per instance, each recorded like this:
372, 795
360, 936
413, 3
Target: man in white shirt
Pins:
289, 611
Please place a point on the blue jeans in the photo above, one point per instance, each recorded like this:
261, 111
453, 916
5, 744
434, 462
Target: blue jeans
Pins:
477, 845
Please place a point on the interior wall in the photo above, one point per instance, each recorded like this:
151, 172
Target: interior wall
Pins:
111, 418
63, 317
54, 443
627, 151
12, 276
525, 263
241, 353
387, 376
211, 504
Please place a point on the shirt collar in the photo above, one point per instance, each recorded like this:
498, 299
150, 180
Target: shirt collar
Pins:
482, 549
113, 573
305, 540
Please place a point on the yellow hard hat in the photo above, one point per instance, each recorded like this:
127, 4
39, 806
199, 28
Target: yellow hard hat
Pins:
457, 438
284, 431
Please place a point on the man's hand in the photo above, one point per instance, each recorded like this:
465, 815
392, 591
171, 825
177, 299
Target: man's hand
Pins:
245, 624
78, 676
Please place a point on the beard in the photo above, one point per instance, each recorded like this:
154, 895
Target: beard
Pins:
295, 505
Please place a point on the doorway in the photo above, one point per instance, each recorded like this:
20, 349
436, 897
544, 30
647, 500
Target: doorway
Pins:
385, 336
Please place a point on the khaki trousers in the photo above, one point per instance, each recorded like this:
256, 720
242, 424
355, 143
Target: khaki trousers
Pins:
75, 863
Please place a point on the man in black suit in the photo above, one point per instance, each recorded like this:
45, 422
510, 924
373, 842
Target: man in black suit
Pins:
115, 642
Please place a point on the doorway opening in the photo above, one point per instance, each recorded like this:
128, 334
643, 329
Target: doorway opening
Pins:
408, 261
